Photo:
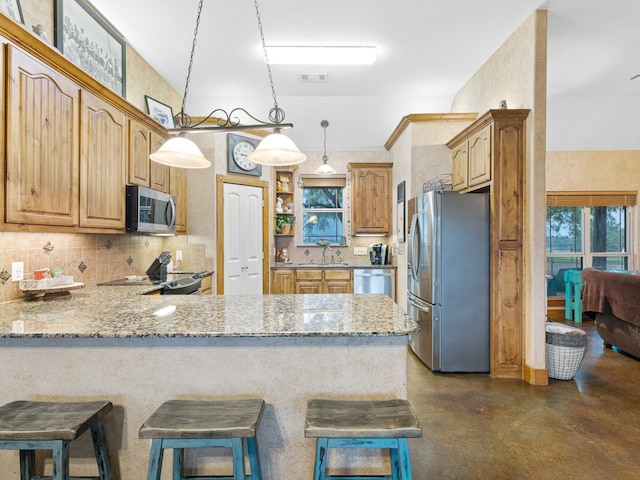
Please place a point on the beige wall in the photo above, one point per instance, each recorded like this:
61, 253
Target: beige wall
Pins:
418, 155
516, 72
607, 171
142, 79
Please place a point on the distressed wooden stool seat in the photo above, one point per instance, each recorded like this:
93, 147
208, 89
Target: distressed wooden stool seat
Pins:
180, 424
362, 424
30, 426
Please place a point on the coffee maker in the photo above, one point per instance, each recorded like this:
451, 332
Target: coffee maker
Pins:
378, 254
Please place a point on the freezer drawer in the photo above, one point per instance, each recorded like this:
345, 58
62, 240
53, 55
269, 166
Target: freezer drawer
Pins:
425, 343
375, 280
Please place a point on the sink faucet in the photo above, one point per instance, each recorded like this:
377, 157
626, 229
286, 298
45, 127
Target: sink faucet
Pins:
326, 247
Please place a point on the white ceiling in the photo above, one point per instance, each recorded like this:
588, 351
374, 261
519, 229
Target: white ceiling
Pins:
427, 50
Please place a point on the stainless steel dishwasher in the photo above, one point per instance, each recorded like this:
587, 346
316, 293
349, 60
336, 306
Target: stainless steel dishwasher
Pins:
375, 280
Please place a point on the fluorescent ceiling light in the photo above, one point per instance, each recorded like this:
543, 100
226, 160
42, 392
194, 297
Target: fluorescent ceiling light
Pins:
321, 55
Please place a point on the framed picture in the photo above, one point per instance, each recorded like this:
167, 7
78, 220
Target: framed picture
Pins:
86, 39
161, 113
402, 222
12, 9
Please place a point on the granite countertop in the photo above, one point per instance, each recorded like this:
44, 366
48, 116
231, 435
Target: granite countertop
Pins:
121, 312
328, 265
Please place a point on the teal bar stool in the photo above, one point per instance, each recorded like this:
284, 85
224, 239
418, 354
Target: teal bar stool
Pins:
573, 295
362, 424
30, 426
180, 424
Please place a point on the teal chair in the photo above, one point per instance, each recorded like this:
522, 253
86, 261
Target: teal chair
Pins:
573, 295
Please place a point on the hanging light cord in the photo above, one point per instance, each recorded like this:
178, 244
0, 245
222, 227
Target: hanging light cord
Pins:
182, 119
276, 114
324, 124
228, 119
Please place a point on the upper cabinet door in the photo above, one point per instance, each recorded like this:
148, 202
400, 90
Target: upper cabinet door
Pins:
41, 145
139, 141
178, 188
371, 198
159, 173
480, 157
103, 164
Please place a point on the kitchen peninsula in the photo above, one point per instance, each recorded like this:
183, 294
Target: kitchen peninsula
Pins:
140, 350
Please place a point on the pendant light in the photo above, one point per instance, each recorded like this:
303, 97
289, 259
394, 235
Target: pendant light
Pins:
325, 168
275, 150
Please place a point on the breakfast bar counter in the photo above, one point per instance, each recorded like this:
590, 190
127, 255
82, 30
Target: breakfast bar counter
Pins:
141, 350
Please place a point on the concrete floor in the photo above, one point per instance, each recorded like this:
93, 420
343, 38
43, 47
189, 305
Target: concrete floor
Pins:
475, 427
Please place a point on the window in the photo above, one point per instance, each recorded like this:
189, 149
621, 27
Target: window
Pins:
592, 236
323, 210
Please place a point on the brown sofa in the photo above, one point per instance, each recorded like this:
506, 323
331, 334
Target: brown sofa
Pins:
613, 299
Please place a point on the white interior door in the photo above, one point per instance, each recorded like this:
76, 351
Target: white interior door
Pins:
243, 253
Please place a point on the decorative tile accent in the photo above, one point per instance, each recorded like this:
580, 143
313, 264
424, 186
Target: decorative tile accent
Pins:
48, 248
307, 252
339, 252
82, 267
4, 276
129, 261
108, 245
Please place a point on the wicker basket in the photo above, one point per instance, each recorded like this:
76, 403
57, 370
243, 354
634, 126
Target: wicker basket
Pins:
565, 348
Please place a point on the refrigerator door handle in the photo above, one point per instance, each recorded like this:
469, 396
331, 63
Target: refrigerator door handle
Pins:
414, 263
418, 303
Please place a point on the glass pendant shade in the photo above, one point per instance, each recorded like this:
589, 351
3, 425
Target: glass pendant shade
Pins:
180, 152
325, 168
277, 150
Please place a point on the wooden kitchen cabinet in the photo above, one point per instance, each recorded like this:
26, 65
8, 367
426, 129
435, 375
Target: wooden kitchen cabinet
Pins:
308, 280
326, 280
41, 143
142, 171
337, 281
102, 164
206, 287
497, 157
159, 173
139, 142
178, 188
471, 161
283, 281
370, 198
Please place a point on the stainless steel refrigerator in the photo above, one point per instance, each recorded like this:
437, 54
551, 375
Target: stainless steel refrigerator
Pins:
448, 280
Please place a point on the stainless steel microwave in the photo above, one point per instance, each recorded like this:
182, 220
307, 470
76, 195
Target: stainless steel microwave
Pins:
150, 211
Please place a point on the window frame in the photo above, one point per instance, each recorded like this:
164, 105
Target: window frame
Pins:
333, 181
585, 201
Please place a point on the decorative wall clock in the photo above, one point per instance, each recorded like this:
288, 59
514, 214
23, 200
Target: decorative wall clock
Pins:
238, 150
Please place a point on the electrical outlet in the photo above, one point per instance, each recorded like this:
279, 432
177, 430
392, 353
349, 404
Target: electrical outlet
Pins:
179, 255
17, 271
359, 250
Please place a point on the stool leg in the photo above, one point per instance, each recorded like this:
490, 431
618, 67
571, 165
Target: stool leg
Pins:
405, 460
254, 458
237, 451
322, 446
60, 460
27, 464
101, 449
155, 460
178, 463
395, 464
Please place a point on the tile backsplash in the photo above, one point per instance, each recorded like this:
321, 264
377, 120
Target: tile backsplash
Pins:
90, 258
